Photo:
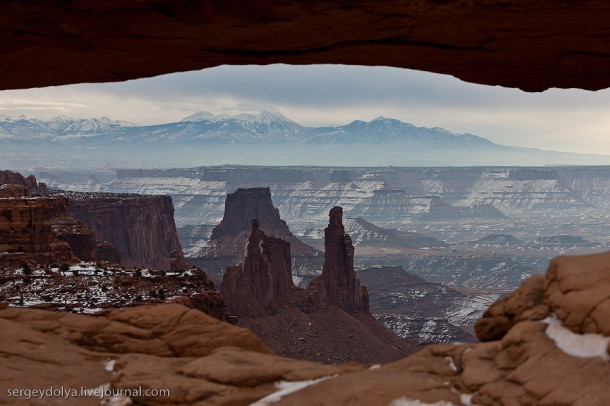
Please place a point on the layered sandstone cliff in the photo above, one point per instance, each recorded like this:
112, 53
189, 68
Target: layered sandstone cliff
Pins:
142, 228
35, 229
67, 228
550, 346
15, 178
26, 236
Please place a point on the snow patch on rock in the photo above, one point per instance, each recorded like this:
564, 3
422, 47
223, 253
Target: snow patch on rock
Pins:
286, 388
578, 345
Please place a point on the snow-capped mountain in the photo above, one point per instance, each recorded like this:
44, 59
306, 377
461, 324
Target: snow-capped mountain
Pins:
60, 127
205, 127
267, 138
390, 130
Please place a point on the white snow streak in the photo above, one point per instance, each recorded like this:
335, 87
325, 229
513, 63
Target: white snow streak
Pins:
404, 401
109, 365
286, 388
578, 345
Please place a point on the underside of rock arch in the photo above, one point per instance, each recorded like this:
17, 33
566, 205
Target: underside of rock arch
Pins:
528, 44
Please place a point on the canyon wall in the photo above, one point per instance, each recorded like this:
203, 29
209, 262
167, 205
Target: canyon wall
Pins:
26, 236
141, 227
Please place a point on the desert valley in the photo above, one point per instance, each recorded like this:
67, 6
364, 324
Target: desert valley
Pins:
307, 203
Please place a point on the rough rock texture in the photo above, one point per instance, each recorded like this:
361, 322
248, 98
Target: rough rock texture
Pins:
8, 190
25, 232
231, 235
524, 303
196, 356
77, 234
328, 322
142, 228
263, 284
199, 359
97, 288
105, 251
577, 290
257, 287
15, 178
533, 45
340, 282
67, 228
64, 227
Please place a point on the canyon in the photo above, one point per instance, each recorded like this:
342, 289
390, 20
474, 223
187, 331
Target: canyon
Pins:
472, 234
130, 229
553, 319
327, 322
38, 232
531, 45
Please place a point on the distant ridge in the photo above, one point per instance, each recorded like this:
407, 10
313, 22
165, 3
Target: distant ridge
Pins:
267, 138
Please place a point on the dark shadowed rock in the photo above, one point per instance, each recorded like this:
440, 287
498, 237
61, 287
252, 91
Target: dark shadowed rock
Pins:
338, 277
105, 251
26, 235
142, 228
257, 287
231, 235
530, 45
327, 322
77, 234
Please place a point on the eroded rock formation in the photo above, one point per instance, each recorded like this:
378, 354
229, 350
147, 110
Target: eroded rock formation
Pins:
26, 235
67, 228
327, 322
142, 228
257, 287
536, 361
241, 206
106, 251
228, 239
28, 220
340, 282
263, 284
15, 178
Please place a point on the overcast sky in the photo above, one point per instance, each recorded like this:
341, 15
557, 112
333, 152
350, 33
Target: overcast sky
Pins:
560, 120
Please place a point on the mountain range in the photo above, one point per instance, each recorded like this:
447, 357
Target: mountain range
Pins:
266, 138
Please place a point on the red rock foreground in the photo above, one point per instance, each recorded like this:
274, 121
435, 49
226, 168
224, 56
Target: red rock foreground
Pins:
201, 360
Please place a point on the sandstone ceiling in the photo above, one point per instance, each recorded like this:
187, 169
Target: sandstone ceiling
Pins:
528, 44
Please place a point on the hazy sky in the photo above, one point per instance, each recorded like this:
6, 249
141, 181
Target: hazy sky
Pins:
561, 120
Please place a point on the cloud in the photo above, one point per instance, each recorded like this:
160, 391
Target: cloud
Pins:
38, 105
568, 120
